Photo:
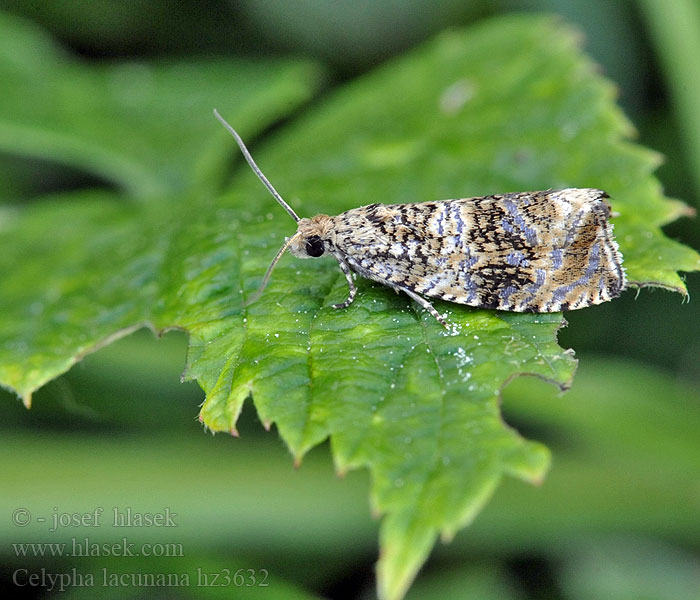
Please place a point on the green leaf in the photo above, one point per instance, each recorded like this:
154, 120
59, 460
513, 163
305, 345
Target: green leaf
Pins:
509, 105
482, 580
144, 126
626, 569
674, 27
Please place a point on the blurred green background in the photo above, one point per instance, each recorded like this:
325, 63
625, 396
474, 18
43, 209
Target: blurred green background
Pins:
619, 514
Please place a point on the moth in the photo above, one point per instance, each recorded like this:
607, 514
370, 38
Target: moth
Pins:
541, 252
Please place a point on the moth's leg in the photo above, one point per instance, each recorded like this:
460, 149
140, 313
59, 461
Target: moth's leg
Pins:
351, 284
427, 306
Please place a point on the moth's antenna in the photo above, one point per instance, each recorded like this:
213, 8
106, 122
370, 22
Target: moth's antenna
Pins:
255, 167
263, 285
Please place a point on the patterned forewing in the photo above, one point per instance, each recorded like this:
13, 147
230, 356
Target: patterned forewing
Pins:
525, 252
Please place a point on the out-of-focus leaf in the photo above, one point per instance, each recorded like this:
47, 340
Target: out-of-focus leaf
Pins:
675, 30
144, 126
629, 569
483, 581
510, 105
626, 446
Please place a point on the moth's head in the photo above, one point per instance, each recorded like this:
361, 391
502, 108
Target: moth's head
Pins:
314, 237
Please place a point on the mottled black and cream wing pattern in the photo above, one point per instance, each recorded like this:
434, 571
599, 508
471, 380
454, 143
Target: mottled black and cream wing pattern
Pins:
526, 252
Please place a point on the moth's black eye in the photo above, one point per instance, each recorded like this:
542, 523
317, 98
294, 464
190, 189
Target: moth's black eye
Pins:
314, 246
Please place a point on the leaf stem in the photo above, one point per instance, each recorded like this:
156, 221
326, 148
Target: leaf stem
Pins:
675, 30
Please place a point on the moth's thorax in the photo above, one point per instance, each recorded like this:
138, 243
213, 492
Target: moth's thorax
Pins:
320, 226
